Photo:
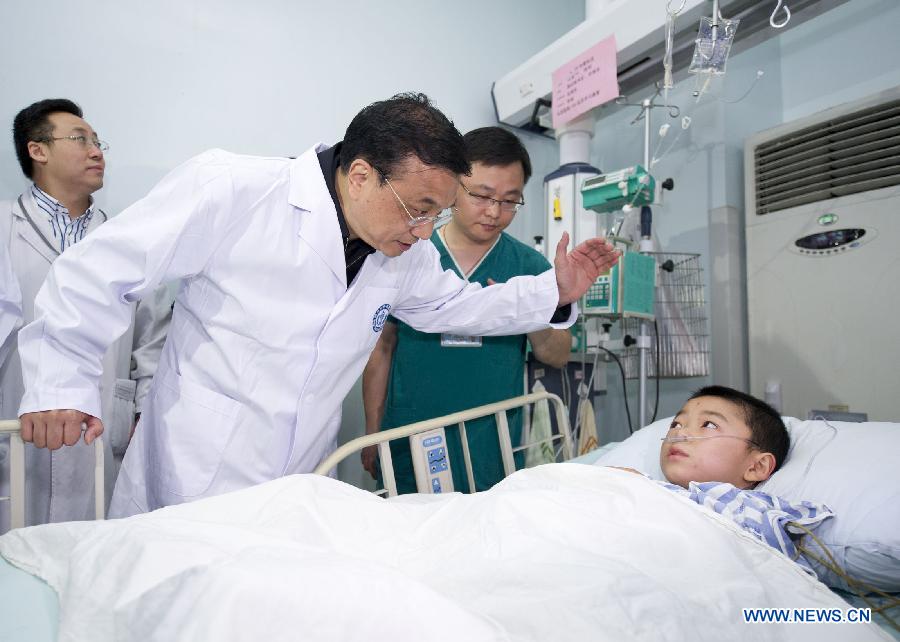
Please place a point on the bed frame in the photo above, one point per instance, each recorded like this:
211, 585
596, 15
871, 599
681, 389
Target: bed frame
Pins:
560, 442
17, 475
507, 451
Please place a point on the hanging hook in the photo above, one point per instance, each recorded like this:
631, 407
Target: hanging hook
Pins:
787, 15
673, 110
678, 10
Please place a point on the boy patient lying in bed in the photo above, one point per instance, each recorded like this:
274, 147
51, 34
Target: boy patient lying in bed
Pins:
720, 445
722, 435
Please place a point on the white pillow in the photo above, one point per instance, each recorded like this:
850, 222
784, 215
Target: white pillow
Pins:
640, 451
853, 468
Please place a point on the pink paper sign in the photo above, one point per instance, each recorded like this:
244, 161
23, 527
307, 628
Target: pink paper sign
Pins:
585, 82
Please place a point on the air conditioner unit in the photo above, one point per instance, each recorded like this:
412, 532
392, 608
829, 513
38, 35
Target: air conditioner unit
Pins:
823, 273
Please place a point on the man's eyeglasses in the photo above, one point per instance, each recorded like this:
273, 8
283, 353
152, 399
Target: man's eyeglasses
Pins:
486, 202
417, 218
82, 141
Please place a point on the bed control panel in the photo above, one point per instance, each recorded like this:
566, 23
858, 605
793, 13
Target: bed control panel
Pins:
431, 462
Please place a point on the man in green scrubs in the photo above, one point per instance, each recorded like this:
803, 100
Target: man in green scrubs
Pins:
412, 376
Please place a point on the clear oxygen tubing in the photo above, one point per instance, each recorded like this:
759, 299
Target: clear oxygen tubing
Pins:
833, 434
680, 438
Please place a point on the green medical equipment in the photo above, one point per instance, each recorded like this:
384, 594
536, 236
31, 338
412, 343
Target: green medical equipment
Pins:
610, 192
627, 290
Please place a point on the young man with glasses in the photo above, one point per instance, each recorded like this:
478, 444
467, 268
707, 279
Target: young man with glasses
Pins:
289, 268
412, 376
63, 157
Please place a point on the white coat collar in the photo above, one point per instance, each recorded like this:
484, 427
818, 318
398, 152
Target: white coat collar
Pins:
25, 227
30, 224
318, 225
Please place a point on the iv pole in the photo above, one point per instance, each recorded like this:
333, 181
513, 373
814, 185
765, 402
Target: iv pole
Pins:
643, 343
646, 244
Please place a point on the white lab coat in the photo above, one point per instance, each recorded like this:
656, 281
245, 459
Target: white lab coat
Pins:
266, 337
59, 484
10, 305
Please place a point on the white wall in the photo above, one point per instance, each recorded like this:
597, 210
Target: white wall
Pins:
164, 80
846, 54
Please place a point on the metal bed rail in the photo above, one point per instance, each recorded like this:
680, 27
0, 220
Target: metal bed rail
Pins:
498, 409
16, 496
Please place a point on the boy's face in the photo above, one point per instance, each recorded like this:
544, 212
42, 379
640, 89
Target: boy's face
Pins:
728, 458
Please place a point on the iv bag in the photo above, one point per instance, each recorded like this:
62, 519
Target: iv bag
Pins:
711, 55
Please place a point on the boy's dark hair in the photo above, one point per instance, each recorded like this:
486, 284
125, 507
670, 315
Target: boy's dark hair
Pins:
387, 132
766, 427
32, 124
494, 146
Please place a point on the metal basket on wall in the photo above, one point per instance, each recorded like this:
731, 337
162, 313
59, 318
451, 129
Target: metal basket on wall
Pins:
681, 319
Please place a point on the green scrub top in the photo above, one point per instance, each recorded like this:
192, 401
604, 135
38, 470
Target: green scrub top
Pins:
429, 380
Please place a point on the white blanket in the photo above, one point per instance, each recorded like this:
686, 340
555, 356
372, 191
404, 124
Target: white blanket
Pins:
560, 552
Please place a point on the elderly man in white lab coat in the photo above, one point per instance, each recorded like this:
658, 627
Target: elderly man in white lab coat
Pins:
59, 151
289, 270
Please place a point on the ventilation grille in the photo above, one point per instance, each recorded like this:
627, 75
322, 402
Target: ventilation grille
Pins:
847, 155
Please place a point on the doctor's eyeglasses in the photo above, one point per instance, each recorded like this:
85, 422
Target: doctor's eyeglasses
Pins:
417, 218
81, 141
486, 202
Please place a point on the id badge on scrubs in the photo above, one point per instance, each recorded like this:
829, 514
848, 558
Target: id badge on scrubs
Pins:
459, 341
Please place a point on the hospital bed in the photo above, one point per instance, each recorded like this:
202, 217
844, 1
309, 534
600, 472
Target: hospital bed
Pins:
640, 452
560, 441
337, 518
29, 608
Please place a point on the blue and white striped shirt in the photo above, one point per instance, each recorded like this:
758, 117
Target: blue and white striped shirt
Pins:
66, 230
768, 517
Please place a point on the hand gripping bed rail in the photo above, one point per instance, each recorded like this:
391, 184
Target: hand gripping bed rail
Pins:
498, 409
17, 475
